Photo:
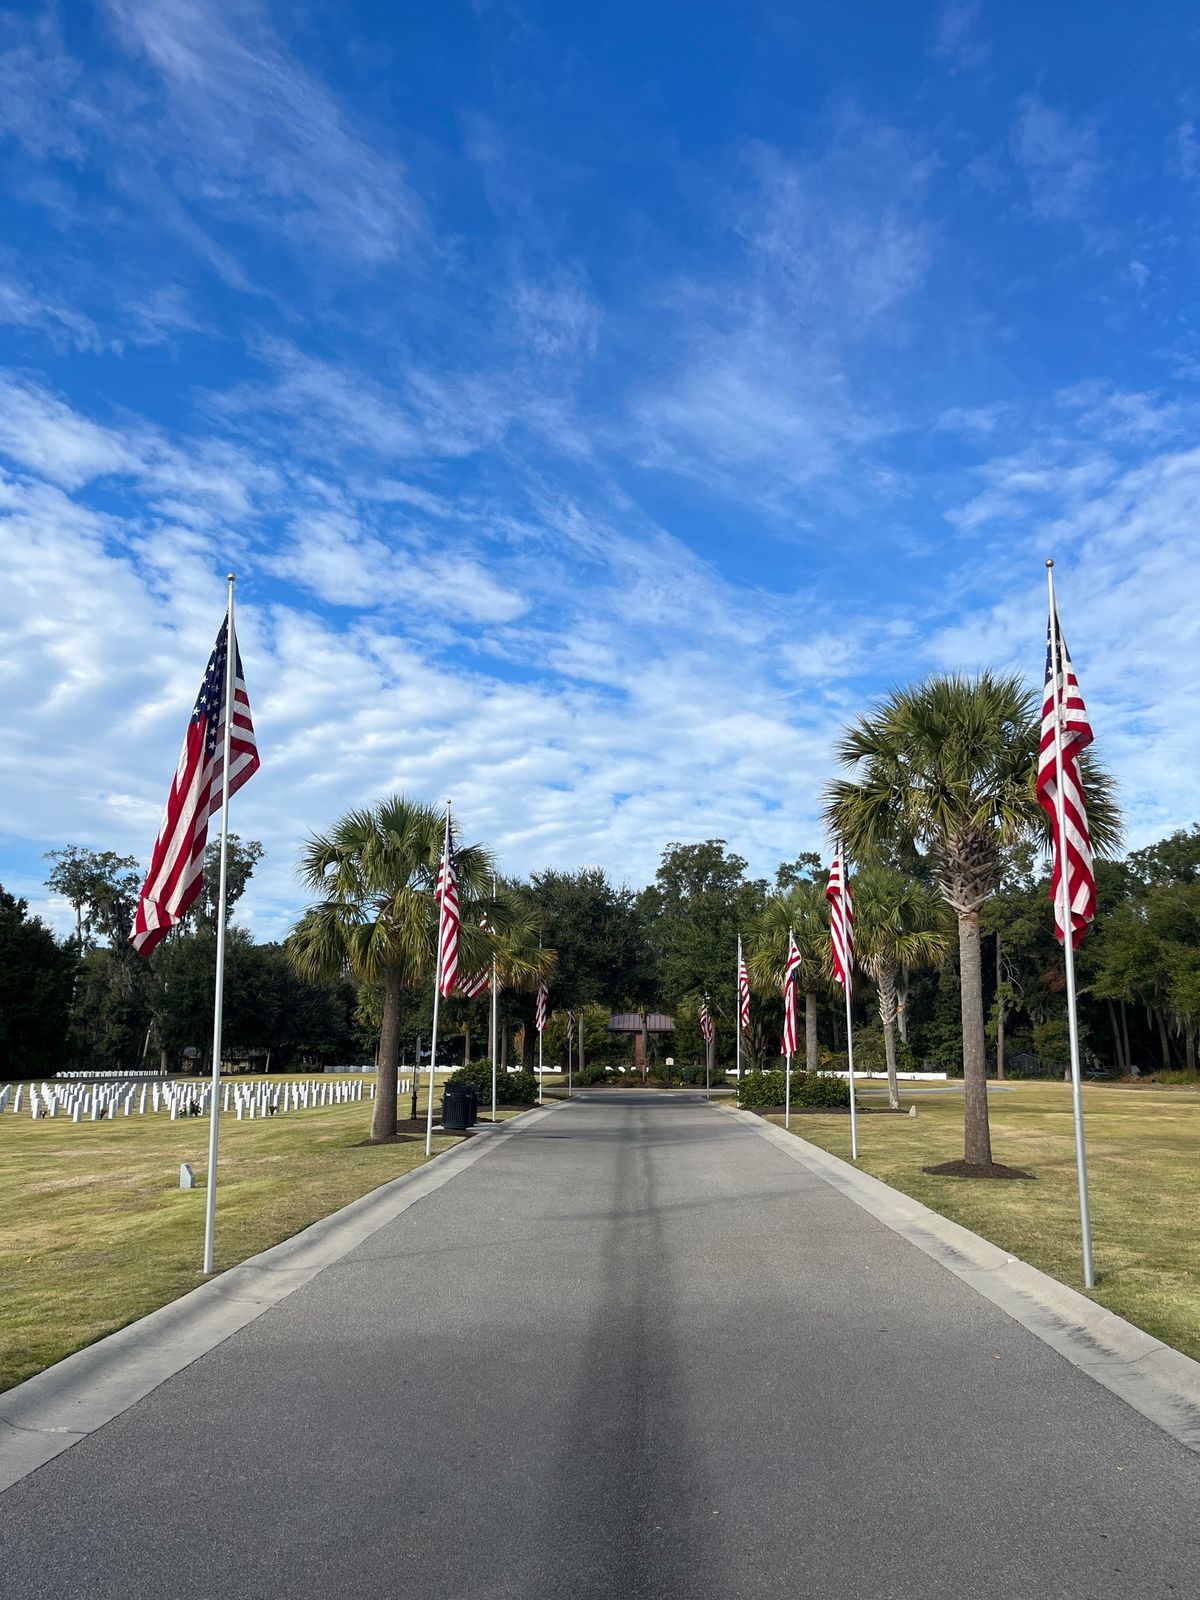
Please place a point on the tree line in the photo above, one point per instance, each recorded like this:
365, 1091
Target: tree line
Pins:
958, 962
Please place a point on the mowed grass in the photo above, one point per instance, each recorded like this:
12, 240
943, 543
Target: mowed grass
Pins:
96, 1231
1143, 1149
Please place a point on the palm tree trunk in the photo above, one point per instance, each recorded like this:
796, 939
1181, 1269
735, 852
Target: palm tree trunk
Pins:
885, 983
467, 1046
977, 1140
383, 1113
810, 1030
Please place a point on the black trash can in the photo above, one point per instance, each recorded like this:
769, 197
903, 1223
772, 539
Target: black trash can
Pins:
472, 1104
455, 1110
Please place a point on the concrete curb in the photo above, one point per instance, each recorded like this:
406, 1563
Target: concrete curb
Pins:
1161, 1383
53, 1410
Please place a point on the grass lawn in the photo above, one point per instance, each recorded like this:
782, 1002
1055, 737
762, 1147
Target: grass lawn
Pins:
1143, 1149
97, 1231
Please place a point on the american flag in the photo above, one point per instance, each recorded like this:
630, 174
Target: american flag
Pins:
743, 994
789, 997
543, 996
446, 896
1062, 695
480, 982
177, 868
706, 1022
841, 922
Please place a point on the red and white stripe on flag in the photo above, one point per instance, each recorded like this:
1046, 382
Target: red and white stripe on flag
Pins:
789, 998
481, 981
177, 866
446, 895
706, 1023
543, 997
841, 922
1062, 697
743, 995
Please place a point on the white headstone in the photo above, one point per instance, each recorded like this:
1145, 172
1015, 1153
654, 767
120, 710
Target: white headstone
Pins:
187, 1178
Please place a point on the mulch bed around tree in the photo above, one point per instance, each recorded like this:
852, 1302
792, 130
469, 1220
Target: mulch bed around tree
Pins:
407, 1129
982, 1169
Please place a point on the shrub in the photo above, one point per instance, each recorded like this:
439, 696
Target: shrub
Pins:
820, 1089
512, 1088
589, 1076
759, 1089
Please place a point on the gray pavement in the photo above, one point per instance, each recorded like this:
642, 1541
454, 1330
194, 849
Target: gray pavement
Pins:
634, 1350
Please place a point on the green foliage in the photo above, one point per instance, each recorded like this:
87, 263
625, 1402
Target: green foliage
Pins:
699, 900
759, 1090
600, 938
821, 1090
1052, 1040
512, 1088
101, 888
871, 1056
813, 1090
36, 976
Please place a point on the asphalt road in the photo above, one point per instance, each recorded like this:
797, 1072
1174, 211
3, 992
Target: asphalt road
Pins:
634, 1351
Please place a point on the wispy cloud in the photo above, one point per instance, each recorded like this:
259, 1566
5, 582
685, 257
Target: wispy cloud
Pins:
1060, 159
958, 37
251, 131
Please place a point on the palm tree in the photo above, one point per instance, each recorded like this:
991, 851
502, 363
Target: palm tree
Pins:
948, 767
804, 910
375, 870
522, 961
899, 924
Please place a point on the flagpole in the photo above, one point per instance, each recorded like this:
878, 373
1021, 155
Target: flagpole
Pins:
214, 1126
1059, 675
849, 1020
738, 1013
494, 1041
787, 1069
568, 1055
708, 1053
437, 995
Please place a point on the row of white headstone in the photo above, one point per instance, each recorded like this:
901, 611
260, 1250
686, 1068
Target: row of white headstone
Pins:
100, 1102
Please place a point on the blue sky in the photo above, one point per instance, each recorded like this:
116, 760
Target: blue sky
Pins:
600, 405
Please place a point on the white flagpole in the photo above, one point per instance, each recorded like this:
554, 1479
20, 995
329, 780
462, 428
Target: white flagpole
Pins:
848, 945
494, 1041
437, 995
568, 1055
541, 1070
214, 1126
738, 1012
708, 1053
1058, 671
787, 1105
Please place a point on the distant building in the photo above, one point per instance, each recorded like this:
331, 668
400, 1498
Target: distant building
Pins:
641, 1024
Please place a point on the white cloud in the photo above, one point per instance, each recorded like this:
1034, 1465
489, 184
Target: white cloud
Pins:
252, 131
958, 37
1060, 160
1124, 539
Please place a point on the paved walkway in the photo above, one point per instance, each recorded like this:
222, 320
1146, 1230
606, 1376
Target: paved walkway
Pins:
634, 1351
